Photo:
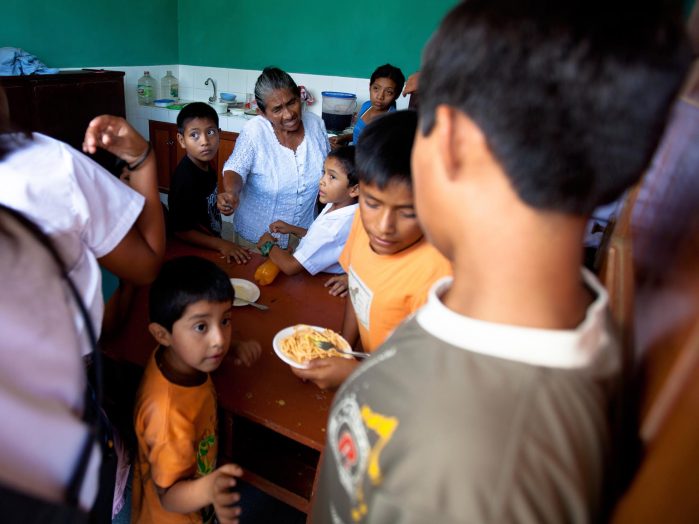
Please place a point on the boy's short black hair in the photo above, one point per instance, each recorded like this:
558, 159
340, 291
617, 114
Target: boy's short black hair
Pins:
345, 155
195, 110
572, 96
182, 282
383, 149
391, 72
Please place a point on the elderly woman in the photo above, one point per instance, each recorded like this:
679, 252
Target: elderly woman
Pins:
274, 170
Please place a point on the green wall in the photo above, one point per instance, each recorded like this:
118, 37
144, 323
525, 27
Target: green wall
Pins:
321, 37
80, 33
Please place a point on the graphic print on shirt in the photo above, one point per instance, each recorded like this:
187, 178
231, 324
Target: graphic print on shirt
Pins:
361, 297
356, 450
206, 463
214, 215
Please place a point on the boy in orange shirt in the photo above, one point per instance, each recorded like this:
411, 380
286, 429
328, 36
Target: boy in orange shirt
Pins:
176, 479
389, 263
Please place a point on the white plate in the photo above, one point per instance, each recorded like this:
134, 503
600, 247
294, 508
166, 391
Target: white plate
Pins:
244, 289
276, 344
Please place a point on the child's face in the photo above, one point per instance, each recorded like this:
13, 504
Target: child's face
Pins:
201, 337
200, 140
382, 93
334, 187
389, 217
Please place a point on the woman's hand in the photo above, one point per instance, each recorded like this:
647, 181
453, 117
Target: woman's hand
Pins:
279, 226
338, 285
231, 250
266, 237
227, 202
246, 352
115, 135
327, 373
225, 500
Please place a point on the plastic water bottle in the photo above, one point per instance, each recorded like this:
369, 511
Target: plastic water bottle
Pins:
169, 87
146, 89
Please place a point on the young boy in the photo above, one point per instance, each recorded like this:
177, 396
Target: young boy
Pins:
322, 243
193, 214
175, 478
390, 264
491, 404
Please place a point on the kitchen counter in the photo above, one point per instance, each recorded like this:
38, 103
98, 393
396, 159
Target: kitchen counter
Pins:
227, 122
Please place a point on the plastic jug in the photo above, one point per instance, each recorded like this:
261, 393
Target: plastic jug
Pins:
338, 108
146, 89
169, 87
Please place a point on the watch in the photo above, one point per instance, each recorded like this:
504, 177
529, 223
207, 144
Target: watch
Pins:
266, 248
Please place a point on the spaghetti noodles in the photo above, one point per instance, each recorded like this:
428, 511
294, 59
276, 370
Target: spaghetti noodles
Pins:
303, 344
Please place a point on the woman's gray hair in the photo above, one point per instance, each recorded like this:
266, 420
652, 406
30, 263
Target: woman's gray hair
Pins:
271, 79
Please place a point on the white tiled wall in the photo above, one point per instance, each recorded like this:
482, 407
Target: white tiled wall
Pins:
239, 81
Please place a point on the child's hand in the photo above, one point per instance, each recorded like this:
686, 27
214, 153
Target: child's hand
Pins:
280, 226
227, 202
266, 237
231, 250
246, 352
327, 373
338, 285
225, 500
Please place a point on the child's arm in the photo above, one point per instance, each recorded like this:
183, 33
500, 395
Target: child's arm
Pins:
282, 227
187, 496
281, 257
340, 140
226, 248
137, 257
350, 328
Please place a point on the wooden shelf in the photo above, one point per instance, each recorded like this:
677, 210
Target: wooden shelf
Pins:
273, 463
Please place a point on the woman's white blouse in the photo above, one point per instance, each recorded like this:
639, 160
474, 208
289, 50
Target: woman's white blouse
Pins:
278, 184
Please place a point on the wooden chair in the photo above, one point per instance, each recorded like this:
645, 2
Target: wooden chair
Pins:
651, 269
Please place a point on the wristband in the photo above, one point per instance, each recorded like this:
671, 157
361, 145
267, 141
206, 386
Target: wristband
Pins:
266, 248
138, 163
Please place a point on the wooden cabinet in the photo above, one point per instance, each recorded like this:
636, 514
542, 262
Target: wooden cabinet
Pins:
168, 152
63, 104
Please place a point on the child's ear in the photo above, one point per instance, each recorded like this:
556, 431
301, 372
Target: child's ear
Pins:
354, 191
180, 139
160, 334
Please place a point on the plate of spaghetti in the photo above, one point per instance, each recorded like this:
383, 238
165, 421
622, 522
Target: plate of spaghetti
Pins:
296, 345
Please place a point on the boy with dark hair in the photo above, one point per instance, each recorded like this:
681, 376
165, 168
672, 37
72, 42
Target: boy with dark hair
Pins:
390, 265
492, 403
175, 475
322, 243
193, 214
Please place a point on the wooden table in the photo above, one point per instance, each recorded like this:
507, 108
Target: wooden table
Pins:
272, 424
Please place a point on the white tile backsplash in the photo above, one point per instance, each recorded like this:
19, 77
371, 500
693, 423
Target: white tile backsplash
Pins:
239, 81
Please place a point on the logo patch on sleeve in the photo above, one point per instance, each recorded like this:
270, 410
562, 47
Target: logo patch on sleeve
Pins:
349, 443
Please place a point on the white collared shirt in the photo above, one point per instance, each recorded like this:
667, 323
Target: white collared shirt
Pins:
573, 348
325, 240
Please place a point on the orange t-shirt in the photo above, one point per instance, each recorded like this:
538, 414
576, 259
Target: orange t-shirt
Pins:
176, 431
385, 289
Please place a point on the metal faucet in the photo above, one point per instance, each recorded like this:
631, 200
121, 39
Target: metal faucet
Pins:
211, 98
